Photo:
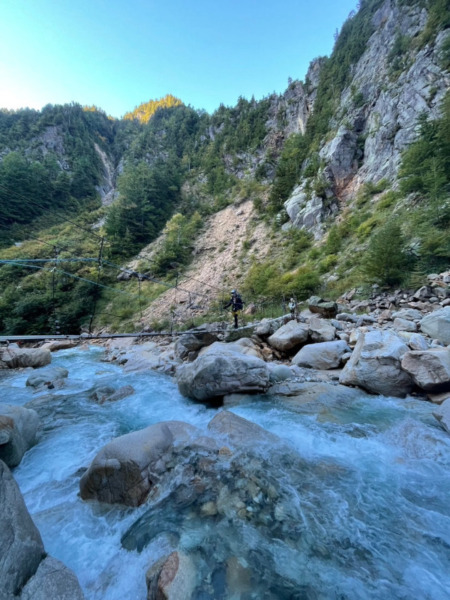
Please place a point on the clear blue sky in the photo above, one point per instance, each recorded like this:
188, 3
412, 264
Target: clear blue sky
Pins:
118, 53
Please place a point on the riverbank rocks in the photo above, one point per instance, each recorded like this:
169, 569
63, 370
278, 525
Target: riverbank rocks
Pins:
47, 378
437, 325
324, 355
221, 371
146, 356
17, 358
196, 339
26, 572
102, 393
430, 369
172, 577
375, 364
18, 430
319, 306
289, 336
125, 470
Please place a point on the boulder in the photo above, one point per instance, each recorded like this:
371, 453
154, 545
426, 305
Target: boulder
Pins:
411, 314
279, 372
268, 326
321, 330
125, 470
52, 581
375, 364
193, 341
48, 377
438, 398
430, 369
172, 577
437, 325
299, 393
55, 345
244, 346
222, 371
417, 342
21, 547
149, 356
325, 355
239, 431
18, 429
404, 325
442, 414
17, 358
325, 309
289, 336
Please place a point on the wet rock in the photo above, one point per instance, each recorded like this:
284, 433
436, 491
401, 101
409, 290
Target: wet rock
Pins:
106, 393
430, 369
53, 580
126, 469
21, 547
215, 375
239, 431
325, 355
376, 365
314, 392
172, 577
438, 398
48, 377
437, 325
321, 330
17, 358
289, 336
18, 431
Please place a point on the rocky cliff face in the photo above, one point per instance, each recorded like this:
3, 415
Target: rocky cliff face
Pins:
393, 82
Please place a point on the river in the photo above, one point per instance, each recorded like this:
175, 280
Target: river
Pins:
371, 506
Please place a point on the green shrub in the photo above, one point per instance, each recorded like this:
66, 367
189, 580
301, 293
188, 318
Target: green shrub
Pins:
384, 261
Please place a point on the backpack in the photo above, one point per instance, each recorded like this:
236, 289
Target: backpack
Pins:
238, 304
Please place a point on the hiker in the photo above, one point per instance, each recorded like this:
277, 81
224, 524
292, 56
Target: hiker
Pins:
236, 304
292, 307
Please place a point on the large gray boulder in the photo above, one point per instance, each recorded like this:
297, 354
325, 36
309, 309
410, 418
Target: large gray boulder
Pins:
52, 581
437, 325
194, 340
326, 309
16, 358
375, 364
21, 547
289, 336
244, 346
325, 355
218, 373
430, 369
18, 429
125, 470
321, 330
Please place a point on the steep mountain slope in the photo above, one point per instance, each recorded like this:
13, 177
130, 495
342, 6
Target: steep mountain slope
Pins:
311, 177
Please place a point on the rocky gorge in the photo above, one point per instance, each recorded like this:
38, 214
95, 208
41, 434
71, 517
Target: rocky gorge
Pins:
221, 473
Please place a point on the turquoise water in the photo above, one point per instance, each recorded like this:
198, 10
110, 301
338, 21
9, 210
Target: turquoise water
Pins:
364, 488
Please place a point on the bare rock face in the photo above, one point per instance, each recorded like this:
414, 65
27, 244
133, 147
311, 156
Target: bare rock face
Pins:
375, 365
125, 470
289, 336
18, 429
16, 358
430, 369
172, 577
324, 355
437, 325
216, 374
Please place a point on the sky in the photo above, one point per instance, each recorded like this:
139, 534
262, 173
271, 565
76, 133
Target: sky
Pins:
116, 54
